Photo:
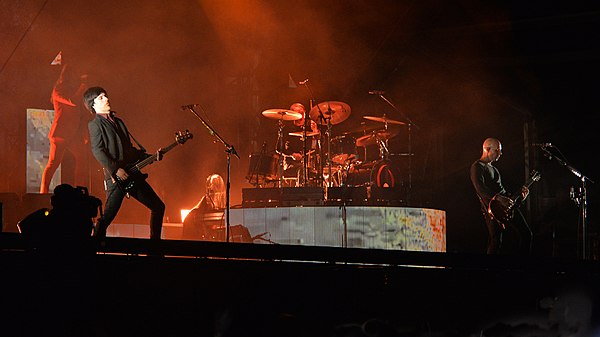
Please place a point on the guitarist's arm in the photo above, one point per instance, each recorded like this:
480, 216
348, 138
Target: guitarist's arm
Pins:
480, 179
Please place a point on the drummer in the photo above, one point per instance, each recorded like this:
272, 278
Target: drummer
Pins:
294, 143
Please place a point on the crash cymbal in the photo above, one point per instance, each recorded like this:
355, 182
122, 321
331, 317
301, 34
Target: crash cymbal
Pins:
335, 112
371, 139
383, 119
300, 134
282, 114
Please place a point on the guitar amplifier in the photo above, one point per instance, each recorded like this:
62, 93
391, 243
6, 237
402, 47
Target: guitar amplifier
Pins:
285, 196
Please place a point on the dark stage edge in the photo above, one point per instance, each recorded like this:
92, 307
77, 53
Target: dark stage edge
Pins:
135, 287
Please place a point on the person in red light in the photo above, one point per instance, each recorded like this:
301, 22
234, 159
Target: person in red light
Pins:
68, 134
111, 144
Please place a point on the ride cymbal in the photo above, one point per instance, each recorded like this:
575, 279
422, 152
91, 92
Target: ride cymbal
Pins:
282, 114
333, 111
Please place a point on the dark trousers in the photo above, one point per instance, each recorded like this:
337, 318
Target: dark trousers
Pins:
516, 239
143, 193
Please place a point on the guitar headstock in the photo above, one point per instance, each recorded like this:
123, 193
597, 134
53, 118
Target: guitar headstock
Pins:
183, 136
535, 175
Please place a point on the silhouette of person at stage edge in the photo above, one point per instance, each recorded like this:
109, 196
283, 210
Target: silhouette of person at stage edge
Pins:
68, 134
208, 213
487, 182
111, 145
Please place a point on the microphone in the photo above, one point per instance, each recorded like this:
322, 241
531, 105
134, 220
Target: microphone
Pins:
303, 82
542, 144
376, 92
189, 106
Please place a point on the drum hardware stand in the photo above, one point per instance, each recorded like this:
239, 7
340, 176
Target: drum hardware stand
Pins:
306, 122
229, 149
280, 152
578, 196
410, 125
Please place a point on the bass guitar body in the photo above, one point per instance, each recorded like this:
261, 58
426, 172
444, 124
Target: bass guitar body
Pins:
134, 172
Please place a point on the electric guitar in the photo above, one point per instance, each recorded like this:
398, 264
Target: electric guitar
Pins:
502, 207
134, 170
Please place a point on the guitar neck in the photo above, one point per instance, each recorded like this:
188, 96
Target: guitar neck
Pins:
151, 159
519, 196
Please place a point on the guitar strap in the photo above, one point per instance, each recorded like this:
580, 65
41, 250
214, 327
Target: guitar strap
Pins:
138, 143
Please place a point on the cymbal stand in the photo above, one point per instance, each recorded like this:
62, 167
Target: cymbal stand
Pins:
280, 152
305, 127
229, 149
410, 154
322, 119
384, 151
328, 140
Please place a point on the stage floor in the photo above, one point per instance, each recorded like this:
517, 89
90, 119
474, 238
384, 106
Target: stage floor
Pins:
136, 287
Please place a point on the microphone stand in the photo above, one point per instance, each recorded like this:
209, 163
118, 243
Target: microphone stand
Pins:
579, 197
410, 154
230, 150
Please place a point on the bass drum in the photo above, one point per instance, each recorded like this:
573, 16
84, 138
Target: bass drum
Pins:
382, 173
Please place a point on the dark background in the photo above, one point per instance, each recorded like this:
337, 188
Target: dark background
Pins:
461, 71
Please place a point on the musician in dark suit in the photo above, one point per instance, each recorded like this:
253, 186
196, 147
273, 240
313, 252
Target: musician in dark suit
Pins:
487, 182
111, 145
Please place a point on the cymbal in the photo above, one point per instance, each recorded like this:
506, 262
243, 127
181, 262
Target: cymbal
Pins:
371, 139
362, 129
335, 112
383, 119
282, 114
301, 134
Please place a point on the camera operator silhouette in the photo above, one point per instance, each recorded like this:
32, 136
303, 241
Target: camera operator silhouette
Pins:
67, 225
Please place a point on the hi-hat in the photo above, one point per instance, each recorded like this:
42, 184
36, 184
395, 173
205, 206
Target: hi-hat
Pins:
383, 119
301, 134
282, 114
333, 111
371, 139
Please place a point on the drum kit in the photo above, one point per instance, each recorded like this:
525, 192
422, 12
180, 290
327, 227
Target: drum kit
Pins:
344, 158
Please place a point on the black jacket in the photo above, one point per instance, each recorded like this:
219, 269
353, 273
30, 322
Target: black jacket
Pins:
111, 145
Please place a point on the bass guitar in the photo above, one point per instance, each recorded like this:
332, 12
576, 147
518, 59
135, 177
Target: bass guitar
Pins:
134, 170
502, 208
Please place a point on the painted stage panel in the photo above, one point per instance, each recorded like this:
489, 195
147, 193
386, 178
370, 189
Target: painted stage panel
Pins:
39, 122
376, 227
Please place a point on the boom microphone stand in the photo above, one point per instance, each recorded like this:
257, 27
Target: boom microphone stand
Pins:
579, 196
230, 150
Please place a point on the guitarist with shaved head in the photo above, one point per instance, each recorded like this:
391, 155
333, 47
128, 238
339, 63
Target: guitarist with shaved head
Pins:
111, 145
487, 182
